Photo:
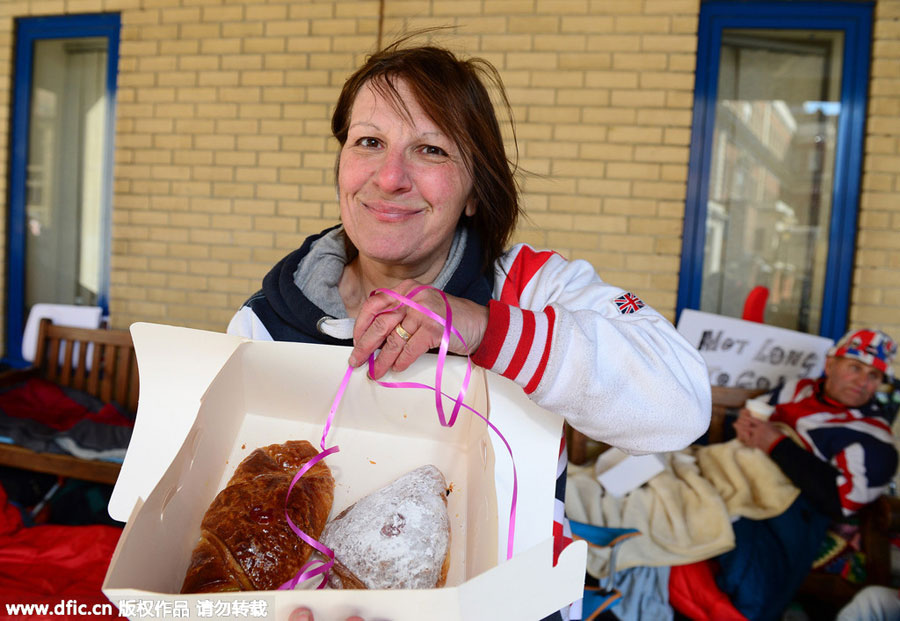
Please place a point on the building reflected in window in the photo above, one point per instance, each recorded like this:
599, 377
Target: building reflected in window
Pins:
771, 173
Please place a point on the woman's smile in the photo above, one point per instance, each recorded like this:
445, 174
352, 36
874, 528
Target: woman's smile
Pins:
387, 212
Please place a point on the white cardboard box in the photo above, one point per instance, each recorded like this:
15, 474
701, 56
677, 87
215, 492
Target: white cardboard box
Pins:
619, 473
208, 400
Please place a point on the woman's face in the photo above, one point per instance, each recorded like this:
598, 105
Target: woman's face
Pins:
402, 184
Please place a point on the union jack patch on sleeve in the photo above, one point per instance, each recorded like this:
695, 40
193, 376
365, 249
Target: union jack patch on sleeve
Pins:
628, 303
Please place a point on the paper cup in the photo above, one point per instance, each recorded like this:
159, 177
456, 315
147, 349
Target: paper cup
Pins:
759, 408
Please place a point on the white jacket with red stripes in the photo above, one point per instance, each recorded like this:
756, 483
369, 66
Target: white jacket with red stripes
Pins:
613, 367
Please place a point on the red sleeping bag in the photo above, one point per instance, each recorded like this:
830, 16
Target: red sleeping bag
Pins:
61, 567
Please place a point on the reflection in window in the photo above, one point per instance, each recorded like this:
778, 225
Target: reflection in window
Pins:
771, 173
65, 240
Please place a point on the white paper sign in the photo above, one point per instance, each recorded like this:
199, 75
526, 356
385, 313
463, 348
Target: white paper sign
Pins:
747, 354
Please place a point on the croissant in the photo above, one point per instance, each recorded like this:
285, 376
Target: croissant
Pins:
245, 541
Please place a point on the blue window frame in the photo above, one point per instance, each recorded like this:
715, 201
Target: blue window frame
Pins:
854, 20
30, 30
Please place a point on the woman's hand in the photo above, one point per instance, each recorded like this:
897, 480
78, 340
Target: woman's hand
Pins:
417, 333
305, 614
754, 432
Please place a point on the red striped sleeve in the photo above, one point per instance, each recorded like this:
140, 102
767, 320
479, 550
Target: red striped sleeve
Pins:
498, 325
532, 384
523, 346
523, 269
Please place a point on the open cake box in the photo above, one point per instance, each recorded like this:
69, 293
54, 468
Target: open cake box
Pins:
208, 400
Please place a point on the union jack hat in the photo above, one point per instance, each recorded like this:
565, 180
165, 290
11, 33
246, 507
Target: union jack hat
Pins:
872, 347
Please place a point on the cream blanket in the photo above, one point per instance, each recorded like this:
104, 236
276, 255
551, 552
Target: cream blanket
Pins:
684, 513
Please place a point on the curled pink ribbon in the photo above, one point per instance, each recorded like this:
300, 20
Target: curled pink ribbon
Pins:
317, 567
458, 401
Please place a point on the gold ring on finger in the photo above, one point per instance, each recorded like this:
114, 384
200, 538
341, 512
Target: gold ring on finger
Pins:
403, 334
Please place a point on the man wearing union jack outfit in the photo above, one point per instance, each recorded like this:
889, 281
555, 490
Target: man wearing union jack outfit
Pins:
832, 438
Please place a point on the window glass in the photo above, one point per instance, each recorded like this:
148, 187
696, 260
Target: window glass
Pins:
65, 247
769, 195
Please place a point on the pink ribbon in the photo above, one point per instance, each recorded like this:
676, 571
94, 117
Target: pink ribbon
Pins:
317, 567
458, 401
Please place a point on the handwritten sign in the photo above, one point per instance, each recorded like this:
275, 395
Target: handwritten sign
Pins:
747, 354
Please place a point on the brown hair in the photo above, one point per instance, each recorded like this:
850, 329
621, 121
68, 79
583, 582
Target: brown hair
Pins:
452, 93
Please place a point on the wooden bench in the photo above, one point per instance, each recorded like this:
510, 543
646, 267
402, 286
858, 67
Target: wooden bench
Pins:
62, 358
821, 592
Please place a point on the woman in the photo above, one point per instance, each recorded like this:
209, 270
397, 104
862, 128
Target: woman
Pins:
428, 196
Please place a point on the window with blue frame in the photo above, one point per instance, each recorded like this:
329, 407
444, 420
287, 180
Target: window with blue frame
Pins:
775, 164
60, 186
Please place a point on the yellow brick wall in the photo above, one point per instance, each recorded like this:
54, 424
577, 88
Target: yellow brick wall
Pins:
876, 278
224, 159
